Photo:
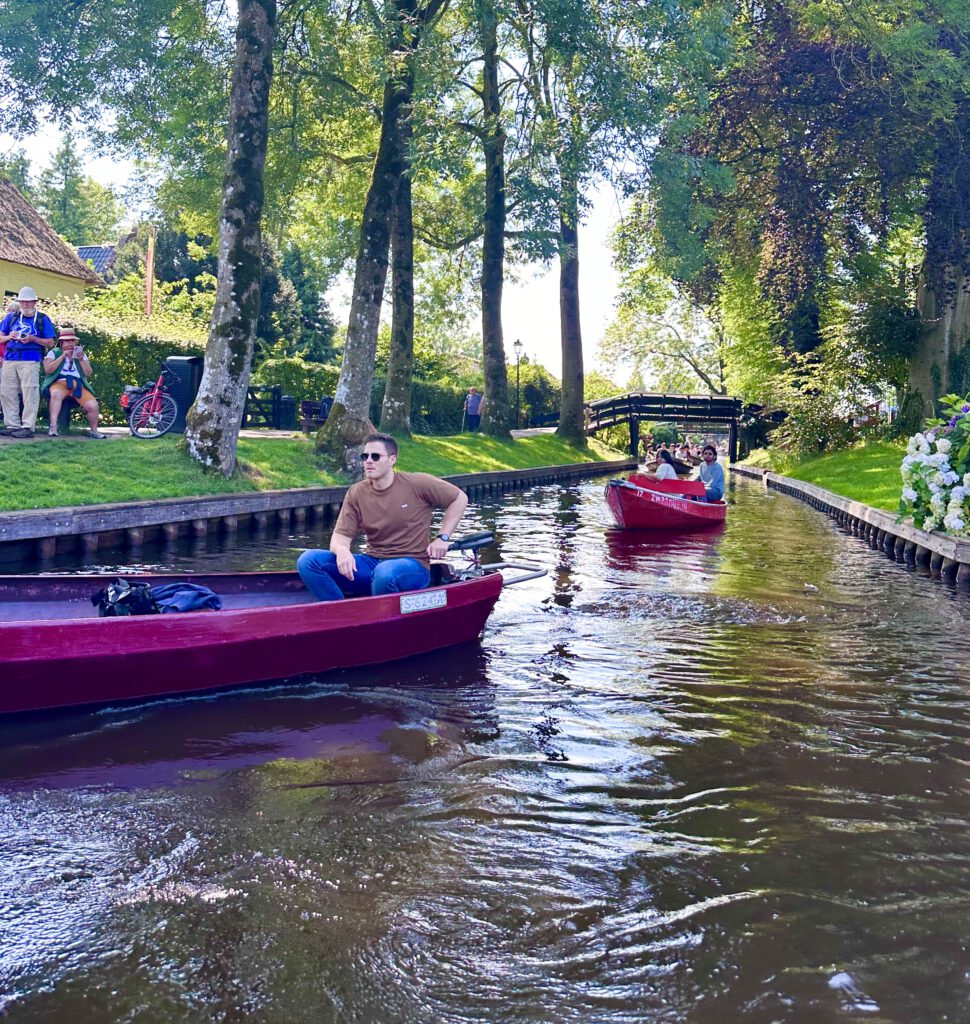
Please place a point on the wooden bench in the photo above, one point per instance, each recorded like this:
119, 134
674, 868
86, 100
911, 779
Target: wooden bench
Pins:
310, 418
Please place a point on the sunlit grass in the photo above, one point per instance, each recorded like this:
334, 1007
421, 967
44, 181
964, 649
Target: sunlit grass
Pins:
867, 472
78, 471
475, 453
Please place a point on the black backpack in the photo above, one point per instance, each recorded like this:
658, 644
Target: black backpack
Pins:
121, 598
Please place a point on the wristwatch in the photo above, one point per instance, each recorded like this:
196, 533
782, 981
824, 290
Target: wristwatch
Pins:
444, 536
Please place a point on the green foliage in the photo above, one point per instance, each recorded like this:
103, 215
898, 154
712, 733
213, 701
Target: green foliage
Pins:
75, 205
539, 392
436, 409
297, 377
665, 333
16, 169
597, 385
317, 327
179, 316
909, 417
753, 360
664, 433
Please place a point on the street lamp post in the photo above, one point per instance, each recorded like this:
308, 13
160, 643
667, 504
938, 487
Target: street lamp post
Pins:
518, 346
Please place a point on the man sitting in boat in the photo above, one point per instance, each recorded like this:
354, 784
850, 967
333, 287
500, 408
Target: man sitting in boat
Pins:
711, 474
394, 511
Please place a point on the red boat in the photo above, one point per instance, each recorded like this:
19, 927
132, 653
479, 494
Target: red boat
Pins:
640, 503
55, 651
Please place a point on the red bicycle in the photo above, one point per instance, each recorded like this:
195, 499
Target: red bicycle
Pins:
151, 409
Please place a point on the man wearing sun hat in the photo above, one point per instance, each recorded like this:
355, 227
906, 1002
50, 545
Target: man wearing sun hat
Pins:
28, 334
68, 370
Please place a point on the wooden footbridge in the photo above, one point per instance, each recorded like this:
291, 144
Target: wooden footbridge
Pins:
700, 413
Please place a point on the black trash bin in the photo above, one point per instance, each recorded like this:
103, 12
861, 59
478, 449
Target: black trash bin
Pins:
184, 385
287, 413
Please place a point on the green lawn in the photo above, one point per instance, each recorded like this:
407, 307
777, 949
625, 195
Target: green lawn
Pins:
52, 473
867, 472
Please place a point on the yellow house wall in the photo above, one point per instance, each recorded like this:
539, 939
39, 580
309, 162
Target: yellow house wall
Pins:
13, 276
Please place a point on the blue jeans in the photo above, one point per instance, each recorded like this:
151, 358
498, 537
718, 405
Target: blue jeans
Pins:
318, 570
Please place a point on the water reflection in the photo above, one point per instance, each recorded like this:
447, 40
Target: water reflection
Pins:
704, 778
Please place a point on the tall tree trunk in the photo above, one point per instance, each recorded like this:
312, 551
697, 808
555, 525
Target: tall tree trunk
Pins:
495, 409
571, 424
941, 363
213, 422
396, 410
348, 422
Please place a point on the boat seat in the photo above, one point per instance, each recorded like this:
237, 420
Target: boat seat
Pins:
688, 488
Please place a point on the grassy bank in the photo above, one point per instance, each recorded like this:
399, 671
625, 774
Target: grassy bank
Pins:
53, 473
867, 472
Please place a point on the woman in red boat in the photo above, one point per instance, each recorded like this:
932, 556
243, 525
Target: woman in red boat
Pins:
665, 467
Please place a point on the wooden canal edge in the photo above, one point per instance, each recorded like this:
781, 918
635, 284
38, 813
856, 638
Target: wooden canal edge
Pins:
43, 533
946, 557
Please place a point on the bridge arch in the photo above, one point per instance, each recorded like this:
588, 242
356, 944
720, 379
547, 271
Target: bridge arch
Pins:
701, 412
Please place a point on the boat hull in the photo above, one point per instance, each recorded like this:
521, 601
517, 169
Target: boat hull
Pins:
649, 508
62, 656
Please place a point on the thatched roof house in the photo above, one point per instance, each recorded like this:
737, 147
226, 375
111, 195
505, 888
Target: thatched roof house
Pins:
32, 254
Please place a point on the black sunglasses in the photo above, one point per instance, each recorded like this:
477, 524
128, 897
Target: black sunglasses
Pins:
376, 456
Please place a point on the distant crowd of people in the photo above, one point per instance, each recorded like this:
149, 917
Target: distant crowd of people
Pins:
38, 359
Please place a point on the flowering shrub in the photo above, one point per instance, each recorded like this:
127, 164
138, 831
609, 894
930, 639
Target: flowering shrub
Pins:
936, 471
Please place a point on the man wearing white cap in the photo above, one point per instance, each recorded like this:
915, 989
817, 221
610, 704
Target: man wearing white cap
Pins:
28, 335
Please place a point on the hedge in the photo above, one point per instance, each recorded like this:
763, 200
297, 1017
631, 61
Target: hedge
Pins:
436, 409
297, 377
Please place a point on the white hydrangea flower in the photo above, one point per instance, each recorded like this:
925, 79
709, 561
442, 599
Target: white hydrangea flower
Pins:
943, 444
909, 494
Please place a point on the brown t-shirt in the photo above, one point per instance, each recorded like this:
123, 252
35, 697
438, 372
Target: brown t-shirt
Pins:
397, 520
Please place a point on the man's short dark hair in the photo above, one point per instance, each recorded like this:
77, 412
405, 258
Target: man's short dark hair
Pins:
709, 448
390, 445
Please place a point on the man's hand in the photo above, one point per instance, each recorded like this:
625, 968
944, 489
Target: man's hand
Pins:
438, 548
346, 565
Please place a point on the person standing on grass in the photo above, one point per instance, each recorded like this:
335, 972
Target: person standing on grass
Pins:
13, 306
394, 511
27, 334
68, 369
473, 410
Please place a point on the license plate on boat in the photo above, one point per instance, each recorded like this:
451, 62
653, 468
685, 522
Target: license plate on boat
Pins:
423, 602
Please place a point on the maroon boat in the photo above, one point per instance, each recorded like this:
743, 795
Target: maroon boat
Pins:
56, 651
640, 503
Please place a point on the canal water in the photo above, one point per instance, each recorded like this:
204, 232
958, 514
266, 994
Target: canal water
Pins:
710, 778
